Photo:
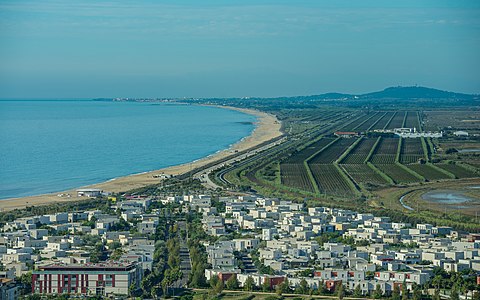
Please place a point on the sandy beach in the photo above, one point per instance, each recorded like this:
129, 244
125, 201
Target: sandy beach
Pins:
267, 128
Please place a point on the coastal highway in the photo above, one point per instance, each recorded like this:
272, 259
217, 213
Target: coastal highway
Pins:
241, 158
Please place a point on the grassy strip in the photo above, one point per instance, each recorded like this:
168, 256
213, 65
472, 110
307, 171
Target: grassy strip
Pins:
278, 178
389, 121
349, 149
451, 175
420, 177
399, 150
431, 147
384, 176
353, 186
372, 151
404, 123
467, 166
420, 128
424, 147
310, 175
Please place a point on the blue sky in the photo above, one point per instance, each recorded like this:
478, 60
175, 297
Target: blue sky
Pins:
83, 49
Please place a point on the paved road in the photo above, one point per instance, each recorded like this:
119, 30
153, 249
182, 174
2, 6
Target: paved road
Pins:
185, 261
203, 175
249, 267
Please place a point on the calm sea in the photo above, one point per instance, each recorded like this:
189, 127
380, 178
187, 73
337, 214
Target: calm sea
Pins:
50, 146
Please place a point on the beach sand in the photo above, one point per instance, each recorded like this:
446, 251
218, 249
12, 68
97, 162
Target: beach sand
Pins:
267, 128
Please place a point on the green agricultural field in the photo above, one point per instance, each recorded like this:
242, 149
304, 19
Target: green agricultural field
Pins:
330, 181
397, 120
397, 174
363, 174
429, 172
360, 153
412, 120
411, 151
331, 153
296, 176
386, 151
458, 171
384, 121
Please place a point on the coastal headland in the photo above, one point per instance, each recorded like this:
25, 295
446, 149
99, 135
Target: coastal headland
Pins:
267, 128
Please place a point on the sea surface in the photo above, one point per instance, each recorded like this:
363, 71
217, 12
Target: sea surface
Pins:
51, 146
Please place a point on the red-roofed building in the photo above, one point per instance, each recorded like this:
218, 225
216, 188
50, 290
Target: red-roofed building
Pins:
87, 279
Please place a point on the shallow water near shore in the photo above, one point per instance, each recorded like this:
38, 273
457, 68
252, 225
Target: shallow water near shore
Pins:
50, 146
446, 197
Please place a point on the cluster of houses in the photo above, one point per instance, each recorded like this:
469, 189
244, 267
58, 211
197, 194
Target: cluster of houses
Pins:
283, 235
400, 132
280, 236
56, 248
411, 133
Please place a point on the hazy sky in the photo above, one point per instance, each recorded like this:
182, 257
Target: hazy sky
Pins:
198, 48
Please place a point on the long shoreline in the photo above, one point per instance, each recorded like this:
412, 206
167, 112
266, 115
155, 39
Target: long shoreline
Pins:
267, 127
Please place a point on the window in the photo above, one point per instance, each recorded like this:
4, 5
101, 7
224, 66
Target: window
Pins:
109, 279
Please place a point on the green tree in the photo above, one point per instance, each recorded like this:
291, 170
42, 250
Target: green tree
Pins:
357, 292
26, 280
218, 287
396, 292
213, 281
114, 245
285, 286
302, 288
198, 276
436, 296
377, 294
249, 284
322, 289
404, 291
339, 291
147, 283
454, 294
417, 293
266, 286
132, 289
154, 292
232, 282
279, 290
437, 281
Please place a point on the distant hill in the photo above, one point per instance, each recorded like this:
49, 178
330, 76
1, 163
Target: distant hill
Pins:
391, 93
415, 92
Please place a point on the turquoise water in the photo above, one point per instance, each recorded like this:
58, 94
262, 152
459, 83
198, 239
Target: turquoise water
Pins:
50, 146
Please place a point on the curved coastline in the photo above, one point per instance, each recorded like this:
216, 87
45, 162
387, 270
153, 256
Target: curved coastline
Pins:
267, 127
